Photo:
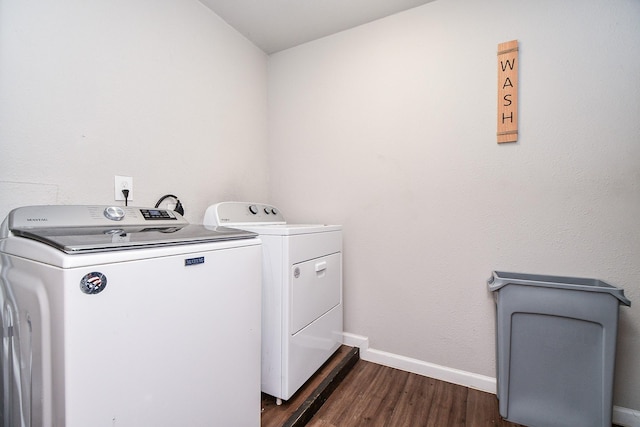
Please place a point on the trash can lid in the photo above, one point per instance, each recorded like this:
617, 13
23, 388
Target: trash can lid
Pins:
499, 279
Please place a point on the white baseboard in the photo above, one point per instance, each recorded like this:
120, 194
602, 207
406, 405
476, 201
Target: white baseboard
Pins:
621, 416
626, 417
443, 373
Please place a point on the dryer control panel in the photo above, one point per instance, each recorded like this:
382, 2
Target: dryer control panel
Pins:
237, 213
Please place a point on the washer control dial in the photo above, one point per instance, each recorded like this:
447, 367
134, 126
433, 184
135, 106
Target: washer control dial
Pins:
114, 213
253, 209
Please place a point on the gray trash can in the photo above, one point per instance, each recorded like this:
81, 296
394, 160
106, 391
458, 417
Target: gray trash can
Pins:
555, 348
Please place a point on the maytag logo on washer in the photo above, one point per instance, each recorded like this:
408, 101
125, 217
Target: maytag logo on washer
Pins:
193, 261
93, 283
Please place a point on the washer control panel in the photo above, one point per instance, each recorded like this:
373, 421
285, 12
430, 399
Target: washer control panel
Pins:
157, 214
50, 216
114, 213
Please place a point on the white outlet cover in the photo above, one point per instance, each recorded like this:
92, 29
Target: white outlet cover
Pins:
122, 183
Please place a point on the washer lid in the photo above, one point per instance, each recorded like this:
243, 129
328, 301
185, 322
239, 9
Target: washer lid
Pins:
86, 229
87, 240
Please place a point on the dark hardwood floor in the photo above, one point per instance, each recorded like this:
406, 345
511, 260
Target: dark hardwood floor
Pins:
349, 392
376, 395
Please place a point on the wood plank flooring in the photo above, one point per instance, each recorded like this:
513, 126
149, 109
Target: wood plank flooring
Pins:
376, 395
278, 416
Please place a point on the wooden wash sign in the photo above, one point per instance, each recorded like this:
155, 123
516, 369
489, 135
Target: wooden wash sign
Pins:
508, 92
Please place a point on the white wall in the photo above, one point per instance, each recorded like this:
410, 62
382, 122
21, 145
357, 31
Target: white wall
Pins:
160, 90
390, 130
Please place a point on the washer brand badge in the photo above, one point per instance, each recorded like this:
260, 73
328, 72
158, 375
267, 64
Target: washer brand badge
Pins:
193, 261
37, 219
93, 283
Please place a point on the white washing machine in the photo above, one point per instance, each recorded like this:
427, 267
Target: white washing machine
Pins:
127, 317
301, 292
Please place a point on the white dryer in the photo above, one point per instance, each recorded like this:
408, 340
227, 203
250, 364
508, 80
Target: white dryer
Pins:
301, 292
127, 317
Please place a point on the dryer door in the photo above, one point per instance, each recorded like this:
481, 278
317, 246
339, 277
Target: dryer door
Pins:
316, 288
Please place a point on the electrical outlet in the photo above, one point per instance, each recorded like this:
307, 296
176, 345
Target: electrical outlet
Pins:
123, 183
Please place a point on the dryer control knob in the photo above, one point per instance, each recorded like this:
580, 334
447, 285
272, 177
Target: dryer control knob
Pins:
274, 211
114, 213
253, 209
